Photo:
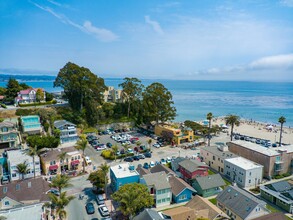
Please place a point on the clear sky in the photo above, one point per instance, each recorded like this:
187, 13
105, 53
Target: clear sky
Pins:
206, 40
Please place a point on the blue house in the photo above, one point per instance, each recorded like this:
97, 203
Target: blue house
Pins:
67, 131
181, 191
122, 174
31, 124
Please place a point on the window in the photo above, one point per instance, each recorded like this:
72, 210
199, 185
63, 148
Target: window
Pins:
6, 203
158, 201
249, 173
162, 191
78, 156
249, 181
163, 200
214, 158
159, 192
168, 199
182, 197
14, 175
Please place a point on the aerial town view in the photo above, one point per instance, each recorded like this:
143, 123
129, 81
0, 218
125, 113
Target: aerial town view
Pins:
146, 110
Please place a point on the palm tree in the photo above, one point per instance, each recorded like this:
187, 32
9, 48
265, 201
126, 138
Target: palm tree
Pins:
282, 120
22, 169
59, 204
232, 120
33, 152
209, 117
62, 157
82, 145
115, 150
60, 182
105, 169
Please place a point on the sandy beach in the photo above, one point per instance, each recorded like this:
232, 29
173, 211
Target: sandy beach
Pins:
259, 130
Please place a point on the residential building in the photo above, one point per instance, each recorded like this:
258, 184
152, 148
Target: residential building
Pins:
15, 157
180, 213
274, 160
159, 187
239, 204
243, 172
30, 212
191, 169
280, 194
52, 164
177, 136
8, 135
67, 131
112, 95
28, 95
175, 165
181, 191
150, 214
272, 216
31, 124
208, 185
162, 168
22, 193
203, 208
122, 174
215, 156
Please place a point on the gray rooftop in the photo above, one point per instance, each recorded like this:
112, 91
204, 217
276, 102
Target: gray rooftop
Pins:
211, 181
192, 165
159, 180
61, 123
175, 163
149, 214
256, 147
239, 201
7, 124
280, 186
221, 154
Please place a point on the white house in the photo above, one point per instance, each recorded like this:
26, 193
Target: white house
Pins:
243, 172
28, 95
68, 131
16, 157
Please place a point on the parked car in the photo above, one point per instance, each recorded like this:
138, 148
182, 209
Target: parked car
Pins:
148, 154
88, 161
156, 145
128, 159
257, 141
142, 148
163, 161
168, 159
135, 158
129, 151
100, 199
90, 209
146, 165
152, 164
55, 192
141, 156
109, 144
122, 151
104, 211
274, 145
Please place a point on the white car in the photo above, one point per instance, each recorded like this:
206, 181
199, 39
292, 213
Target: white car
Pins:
88, 161
168, 160
156, 145
152, 164
130, 151
163, 161
104, 211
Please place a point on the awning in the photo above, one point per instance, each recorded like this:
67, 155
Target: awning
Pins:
75, 162
53, 167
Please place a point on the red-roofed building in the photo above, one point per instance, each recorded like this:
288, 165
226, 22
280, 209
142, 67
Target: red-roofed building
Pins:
28, 95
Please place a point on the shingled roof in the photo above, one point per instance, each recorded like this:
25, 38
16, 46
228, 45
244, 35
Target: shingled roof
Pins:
159, 180
149, 214
160, 168
26, 190
192, 165
280, 186
178, 185
211, 181
239, 201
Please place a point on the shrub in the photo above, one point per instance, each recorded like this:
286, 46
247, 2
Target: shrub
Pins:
25, 112
286, 174
90, 130
3, 105
107, 154
38, 103
46, 126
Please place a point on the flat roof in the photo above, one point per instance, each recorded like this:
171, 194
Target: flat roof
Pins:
19, 156
122, 170
243, 163
221, 154
256, 147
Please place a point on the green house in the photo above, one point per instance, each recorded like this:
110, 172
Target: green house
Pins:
208, 185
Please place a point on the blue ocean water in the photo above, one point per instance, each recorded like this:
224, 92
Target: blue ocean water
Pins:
259, 101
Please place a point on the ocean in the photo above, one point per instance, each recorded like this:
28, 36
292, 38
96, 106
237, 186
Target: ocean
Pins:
257, 101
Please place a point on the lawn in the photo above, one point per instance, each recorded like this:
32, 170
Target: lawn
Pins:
210, 172
213, 200
271, 208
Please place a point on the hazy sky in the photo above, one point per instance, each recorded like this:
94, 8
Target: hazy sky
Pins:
237, 39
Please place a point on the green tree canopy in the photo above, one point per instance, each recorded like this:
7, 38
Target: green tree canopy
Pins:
49, 97
22, 169
232, 120
131, 91
158, 103
59, 204
12, 88
97, 178
281, 120
82, 145
132, 198
80, 84
39, 95
60, 182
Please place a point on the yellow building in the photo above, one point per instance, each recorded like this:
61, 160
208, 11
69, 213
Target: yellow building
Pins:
176, 135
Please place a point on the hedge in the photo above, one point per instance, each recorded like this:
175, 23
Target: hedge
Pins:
37, 103
3, 105
108, 154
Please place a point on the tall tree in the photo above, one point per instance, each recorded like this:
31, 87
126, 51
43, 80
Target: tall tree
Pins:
79, 83
131, 91
158, 103
60, 182
232, 120
82, 144
39, 95
59, 204
115, 149
22, 169
132, 198
97, 178
209, 118
150, 144
33, 152
281, 120
105, 169
12, 88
